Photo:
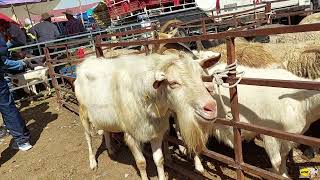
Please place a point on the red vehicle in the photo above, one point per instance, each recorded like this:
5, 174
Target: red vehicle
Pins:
130, 11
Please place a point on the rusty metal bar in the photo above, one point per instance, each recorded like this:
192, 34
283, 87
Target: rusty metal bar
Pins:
311, 141
227, 160
248, 11
52, 76
294, 84
65, 61
221, 35
231, 57
289, 20
64, 44
69, 106
135, 31
258, 22
260, 172
309, 85
66, 90
203, 23
98, 48
295, 13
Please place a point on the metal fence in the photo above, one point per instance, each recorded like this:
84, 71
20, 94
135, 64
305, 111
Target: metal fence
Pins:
238, 162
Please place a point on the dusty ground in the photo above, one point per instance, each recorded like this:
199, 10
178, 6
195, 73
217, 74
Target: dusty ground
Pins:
60, 152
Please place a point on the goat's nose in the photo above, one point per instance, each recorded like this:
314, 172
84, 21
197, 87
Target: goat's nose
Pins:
211, 109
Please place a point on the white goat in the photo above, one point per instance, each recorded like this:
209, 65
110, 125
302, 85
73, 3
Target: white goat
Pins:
289, 110
39, 73
136, 94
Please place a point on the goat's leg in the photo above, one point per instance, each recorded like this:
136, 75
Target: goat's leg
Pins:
34, 90
158, 156
83, 114
48, 87
197, 163
278, 160
107, 139
137, 154
28, 90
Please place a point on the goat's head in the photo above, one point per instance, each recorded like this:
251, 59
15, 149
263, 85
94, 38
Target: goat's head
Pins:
180, 80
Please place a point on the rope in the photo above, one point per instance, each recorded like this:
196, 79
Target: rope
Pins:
217, 79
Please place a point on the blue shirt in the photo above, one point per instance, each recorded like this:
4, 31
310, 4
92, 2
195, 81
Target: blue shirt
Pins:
5, 62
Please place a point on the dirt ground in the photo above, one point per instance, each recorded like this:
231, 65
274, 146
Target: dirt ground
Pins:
60, 152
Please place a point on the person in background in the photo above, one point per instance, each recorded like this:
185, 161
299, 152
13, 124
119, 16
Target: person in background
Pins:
73, 25
11, 116
27, 27
45, 30
14, 33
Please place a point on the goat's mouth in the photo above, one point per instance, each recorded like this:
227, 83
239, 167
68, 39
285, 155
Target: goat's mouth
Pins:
205, 116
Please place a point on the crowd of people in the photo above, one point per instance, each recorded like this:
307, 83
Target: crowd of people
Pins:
11, 35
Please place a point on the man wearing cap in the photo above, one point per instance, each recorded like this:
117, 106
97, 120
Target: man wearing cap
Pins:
73, 25
45, 30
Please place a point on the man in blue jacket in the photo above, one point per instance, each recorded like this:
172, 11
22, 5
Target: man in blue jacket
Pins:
10, 114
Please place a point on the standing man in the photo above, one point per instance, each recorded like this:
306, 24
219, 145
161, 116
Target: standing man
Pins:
45, 30
73, 25
27, 27
10, 114
14, 33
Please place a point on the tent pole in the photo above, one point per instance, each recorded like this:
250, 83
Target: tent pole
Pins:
29, 14
80, 6
14, 13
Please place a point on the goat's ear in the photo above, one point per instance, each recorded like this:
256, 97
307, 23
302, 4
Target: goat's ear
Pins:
210, 61
159, 77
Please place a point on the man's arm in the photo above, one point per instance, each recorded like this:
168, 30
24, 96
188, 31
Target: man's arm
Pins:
56, 31
33, 31
12, 65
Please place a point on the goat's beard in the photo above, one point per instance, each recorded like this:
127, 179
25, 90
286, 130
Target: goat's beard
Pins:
193, 134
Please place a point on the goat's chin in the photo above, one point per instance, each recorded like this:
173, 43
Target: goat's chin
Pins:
194, 135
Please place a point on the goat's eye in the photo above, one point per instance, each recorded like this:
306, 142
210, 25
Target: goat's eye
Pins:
174, 84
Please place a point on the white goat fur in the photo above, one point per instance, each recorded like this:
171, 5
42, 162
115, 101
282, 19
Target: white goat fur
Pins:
40, 73
289, 110
118, 96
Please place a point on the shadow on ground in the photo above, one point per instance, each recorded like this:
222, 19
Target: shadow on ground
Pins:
37, 119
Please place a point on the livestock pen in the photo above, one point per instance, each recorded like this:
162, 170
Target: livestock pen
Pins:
230, 37
238, 163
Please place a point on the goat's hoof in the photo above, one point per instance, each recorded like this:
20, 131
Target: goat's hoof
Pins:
93, 165
200, 169
182, 150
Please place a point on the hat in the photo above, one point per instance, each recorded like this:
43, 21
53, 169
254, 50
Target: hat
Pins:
27, 21
45, 16
68, 12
